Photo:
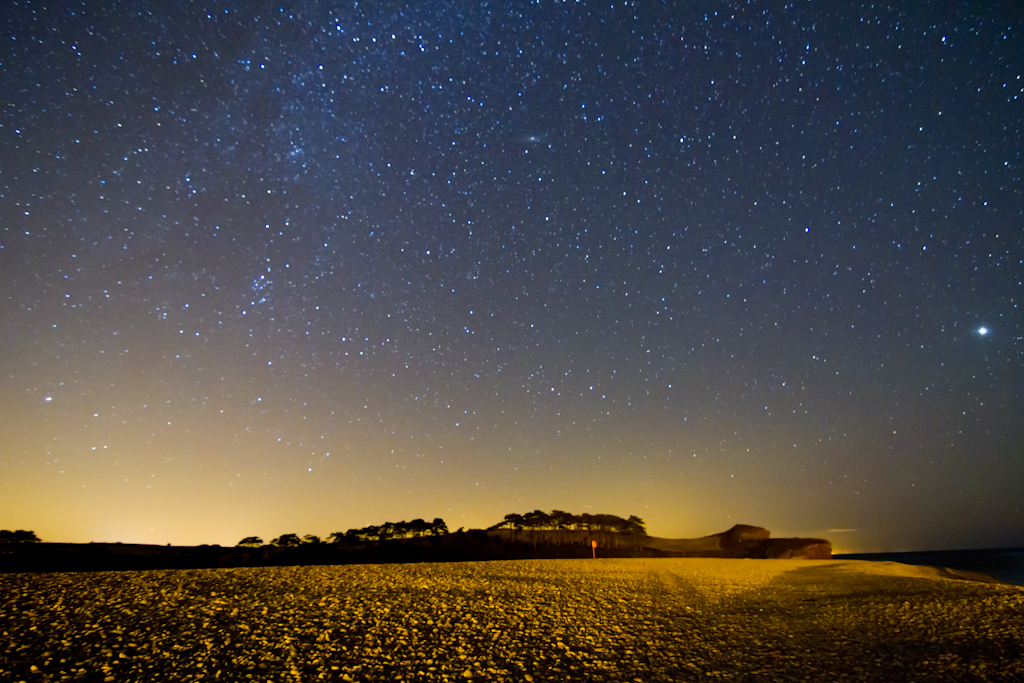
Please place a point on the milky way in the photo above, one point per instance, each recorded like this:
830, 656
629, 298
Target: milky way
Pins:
307, 266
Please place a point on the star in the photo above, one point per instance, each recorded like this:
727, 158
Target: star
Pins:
552, 258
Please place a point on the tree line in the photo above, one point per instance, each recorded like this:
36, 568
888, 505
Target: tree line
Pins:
538, 520
389, 530
558, 520
19, 536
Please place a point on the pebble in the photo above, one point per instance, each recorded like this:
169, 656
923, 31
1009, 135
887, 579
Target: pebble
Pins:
605, 620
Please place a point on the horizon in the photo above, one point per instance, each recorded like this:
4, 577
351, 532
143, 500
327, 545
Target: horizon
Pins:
268, 538
267, 543
267, 267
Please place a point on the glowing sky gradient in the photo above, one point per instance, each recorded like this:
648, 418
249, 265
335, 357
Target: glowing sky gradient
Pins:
308, 266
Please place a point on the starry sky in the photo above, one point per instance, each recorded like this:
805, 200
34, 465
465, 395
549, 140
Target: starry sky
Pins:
307, 266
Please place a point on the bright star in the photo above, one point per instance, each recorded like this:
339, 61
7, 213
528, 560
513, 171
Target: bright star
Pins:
982, 331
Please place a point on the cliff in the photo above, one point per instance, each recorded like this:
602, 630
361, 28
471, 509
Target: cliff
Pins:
741, 541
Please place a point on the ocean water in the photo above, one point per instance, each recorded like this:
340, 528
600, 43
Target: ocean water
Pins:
1005, 564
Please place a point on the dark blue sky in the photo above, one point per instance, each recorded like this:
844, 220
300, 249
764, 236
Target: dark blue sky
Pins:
305, 266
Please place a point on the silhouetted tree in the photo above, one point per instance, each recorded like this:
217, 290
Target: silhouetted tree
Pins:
538, 519
250, 542
388, 530
560, 519
287, 541
515, 521
637, 525
310, 538
563, 521
19, 536
609, 523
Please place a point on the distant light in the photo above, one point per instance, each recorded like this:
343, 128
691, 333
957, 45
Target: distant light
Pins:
48, 398
982, 331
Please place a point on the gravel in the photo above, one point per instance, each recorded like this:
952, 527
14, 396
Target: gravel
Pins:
532, 620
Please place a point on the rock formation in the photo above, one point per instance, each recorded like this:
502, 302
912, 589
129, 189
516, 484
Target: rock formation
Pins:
743, 540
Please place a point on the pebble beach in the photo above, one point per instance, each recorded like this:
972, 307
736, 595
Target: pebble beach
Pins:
532, 620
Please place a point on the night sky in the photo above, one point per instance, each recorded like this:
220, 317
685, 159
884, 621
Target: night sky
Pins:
309, 266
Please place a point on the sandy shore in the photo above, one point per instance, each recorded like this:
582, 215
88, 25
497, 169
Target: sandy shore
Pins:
541, 620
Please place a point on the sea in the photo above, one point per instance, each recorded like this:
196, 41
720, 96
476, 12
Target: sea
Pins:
1005, 564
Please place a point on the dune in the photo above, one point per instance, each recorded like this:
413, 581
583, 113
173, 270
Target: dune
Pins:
532, 620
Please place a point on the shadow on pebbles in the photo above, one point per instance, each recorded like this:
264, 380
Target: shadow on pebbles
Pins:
537, 620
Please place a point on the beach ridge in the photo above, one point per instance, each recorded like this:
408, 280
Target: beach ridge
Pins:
603, 620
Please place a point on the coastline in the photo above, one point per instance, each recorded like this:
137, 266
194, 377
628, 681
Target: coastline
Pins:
1005, 565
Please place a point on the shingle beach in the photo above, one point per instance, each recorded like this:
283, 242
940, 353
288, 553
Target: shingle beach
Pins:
535, 620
